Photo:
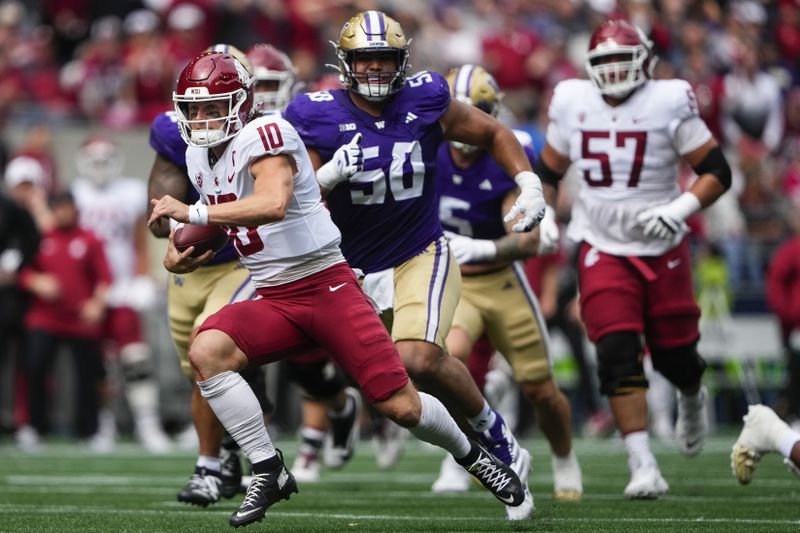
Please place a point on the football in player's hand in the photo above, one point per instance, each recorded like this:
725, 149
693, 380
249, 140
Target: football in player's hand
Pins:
203, 238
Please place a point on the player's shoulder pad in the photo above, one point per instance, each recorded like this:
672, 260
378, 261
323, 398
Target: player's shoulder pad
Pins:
165, 135
306, 110
427, 91
269, 135
129, 187
680, 96
566, 93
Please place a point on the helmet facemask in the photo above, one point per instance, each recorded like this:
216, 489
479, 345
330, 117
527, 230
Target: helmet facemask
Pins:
207, 135
99, 161
374, 86
623, 74
213, 77
364, 36
278, 91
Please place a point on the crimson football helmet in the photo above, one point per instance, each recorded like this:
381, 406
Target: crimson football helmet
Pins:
620, 58
372, 33
208, 77
274, 76
99, 160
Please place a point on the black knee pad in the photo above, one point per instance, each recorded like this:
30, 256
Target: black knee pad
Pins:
619, 363
319, 379
256, 378
682, 366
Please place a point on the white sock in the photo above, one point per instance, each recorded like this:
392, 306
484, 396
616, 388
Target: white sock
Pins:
349, 405
564, 462
312, 434
209, 463
142, 396
483, 420
786, 441
437, 427
106, 423
638, 446
141, 388
237, 408
692, 401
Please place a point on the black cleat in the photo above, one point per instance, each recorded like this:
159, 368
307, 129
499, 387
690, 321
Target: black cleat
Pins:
264, 491
496, 476
341, 440
202, 489
231, 473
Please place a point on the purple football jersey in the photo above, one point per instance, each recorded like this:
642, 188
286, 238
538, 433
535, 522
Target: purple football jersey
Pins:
165, 138
471, 199
387, 213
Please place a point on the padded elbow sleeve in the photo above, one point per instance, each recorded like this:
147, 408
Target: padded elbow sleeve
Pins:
546, 174
715, 163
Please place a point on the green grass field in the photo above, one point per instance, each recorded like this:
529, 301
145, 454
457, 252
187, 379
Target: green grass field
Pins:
67, 489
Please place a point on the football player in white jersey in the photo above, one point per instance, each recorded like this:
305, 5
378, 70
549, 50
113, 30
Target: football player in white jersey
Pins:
255, 178
626, 135
108, 206
192, 297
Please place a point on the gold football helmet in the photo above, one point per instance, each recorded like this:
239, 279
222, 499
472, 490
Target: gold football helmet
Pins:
372, 33
472, 85
235, 52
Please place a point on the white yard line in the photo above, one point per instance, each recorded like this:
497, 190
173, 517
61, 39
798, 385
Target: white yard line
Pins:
73, 509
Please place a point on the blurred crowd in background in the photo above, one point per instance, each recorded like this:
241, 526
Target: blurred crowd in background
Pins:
113, 65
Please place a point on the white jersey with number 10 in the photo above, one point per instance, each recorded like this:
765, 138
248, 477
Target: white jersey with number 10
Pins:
304, 242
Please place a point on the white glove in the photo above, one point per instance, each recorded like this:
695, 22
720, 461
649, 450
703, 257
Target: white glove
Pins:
469, 250
530, 202
548, 232
346, 161
666, 220
142, 293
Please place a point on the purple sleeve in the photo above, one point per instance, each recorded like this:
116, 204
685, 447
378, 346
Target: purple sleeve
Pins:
427, 95
165, 138
300, 113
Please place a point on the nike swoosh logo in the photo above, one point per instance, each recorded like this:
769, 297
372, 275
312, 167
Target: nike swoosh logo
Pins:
233, 162
673, 264
242, 515
337, 287
692, 443
509, 500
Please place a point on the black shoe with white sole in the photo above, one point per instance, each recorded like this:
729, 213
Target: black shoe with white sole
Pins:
202, 489
230, 472
496, 476
265, 490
